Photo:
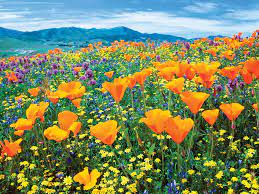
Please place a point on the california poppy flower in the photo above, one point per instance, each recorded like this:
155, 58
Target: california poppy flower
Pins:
117, 88
11, 76
252, 66
77, 69
37, 111
132, 81
109, 74
19, 133
156, 120
76, 102
255, 107
194, 100
105, 131
232, 110
11, 148
247, 76
34, 91
141, 77
52, 96
176, 85
179, 128
68, 122
71, 90
210, 116
167, 73
22, 124
89, 180
231, 72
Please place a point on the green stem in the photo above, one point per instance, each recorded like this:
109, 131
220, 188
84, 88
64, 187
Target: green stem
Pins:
143, 96
179, 157
126, 133
211, 142
132, 99
192, 136
169, 99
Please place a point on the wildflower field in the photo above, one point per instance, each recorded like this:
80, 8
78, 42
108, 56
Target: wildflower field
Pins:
132, 117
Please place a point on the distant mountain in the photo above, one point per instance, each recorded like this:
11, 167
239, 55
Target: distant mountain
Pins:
4, 32
73, 34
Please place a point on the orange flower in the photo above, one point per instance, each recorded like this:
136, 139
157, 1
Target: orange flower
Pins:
77, 69
167, 73
248, 79
109, 74
68, 122
132, 81
37, 111
22, 124
255, 107
252, 66
76, 102
89, 180
34, 91
194, 100
11, 77
230, 72
176, 85
210, 116
117, 88
11, 148
156, 120
52, 96
232, 110
71, 90
141, 76
127, 57
19, 133
179, 128
105, 131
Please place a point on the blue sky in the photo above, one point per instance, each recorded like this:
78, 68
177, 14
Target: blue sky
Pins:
186, 18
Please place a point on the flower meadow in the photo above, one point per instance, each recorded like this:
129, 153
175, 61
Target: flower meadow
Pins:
132, 117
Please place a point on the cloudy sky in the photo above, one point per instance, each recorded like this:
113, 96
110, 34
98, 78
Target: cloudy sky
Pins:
186, 18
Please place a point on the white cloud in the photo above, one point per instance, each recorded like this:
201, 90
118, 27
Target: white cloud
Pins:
201, 7
252, 14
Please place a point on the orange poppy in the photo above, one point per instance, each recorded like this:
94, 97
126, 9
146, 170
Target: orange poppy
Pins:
210, 116
232, 111
22, 124
34, 91
255, 107
37, 111
77, 69
128, 57
11, 76
68, 122
109, 74
71, 90
52, 96
132, 81
141, 76
167, 73
252, 66
179, 128
11, 148
176, 85
247, 76
117, 88
105, 131
77, 102
194, 100
89, 180
156, 120
19, 133
231, 72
